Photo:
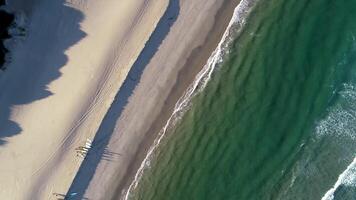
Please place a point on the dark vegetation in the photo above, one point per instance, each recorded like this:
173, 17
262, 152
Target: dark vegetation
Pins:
6, 20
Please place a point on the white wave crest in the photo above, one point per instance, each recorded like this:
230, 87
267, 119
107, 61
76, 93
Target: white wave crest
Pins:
201, 79
341, 121
347, 178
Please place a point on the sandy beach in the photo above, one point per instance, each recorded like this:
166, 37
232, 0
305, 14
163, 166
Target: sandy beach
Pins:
61, 81
66, 84
197, 29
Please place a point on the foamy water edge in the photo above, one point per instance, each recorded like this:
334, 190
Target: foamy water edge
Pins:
340, 122
241, 12
347, 178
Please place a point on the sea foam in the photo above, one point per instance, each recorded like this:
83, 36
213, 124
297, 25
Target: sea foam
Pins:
341, 123
346, 178
341, 120
202, 78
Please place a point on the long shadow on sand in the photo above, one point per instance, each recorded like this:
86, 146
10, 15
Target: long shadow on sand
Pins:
102, 137
53, 29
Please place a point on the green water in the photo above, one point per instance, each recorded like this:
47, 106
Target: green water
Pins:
278, 118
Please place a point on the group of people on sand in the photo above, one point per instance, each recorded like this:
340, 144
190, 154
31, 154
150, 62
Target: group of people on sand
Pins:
82, 151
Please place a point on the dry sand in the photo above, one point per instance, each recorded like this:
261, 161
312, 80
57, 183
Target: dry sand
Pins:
127, 133
62, 79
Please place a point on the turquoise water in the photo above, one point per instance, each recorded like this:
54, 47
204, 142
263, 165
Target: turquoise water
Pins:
278, 118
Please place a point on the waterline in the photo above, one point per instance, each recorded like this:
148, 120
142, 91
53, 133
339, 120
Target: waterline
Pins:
241, 12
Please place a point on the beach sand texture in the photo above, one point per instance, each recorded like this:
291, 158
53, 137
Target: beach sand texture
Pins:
66, 84
62, 79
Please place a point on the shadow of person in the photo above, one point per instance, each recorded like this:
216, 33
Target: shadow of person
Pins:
110, 156
103, 135
53, 28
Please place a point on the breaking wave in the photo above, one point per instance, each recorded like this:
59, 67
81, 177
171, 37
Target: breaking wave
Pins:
236, 23
341, 123
346, 178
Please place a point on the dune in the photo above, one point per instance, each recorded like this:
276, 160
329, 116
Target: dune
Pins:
61, 81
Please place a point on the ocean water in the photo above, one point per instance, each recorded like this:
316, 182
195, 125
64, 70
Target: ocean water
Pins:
276, 120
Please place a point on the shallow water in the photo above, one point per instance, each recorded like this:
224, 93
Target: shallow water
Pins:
278, 118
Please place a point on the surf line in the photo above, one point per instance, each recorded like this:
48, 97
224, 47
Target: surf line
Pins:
347, 177
240, 14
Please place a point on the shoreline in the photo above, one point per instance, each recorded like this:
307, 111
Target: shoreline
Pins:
201, 78
121, 94
199, 58
164, 80
196, 58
